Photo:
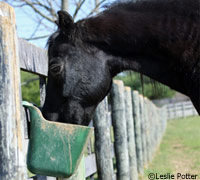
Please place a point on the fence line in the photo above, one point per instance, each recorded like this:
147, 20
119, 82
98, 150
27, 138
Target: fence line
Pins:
151, 136
180, 110
137, 123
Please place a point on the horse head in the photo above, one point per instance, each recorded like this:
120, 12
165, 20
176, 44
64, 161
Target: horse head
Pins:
78, 79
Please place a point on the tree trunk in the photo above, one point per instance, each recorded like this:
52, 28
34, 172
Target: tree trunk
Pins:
64, 5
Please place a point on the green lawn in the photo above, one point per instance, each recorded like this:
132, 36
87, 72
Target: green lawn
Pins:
179, 151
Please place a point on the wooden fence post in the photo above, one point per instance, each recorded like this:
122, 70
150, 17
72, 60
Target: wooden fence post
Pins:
164, 117
175, 114
143, 130
130, 134
154, 129
12, 152
42, 90
138, 135
119, 125
147, 121
103, 148
168, 113
158, 128
150, 128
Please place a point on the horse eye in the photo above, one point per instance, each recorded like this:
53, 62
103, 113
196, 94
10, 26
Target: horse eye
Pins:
56, 69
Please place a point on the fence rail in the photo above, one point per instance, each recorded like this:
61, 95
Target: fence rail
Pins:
32, 58
130, 133
180, 109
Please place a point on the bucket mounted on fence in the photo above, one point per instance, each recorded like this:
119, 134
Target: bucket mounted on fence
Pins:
55, 149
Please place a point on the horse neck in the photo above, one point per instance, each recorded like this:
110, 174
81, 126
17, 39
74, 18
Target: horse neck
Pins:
146, 42
136, 41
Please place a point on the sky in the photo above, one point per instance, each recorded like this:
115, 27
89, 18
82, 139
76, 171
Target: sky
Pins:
26, 24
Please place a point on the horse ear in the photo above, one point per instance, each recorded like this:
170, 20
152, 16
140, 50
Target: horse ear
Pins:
65, 22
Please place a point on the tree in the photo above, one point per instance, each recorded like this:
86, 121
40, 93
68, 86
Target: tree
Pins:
46, 12
30, 87
150, 88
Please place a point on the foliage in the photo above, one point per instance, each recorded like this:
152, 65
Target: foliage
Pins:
30, 87
150, 88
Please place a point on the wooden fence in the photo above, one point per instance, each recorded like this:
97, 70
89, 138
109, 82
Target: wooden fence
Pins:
127, 136
138, 126
180, 110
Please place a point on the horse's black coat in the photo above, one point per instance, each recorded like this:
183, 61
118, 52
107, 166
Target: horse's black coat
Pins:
158, 38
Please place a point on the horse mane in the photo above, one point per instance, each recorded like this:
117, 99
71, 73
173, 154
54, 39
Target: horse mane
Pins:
185, 8
127, 29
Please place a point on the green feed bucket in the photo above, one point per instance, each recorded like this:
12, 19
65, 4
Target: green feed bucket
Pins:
55, 149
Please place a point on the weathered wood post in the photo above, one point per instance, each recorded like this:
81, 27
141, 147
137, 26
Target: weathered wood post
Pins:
130, 134
175, 114
163, 110
147, 121
42, 90
12, 153
103, 148
150, 129
154, 128
168, 113
164, 114
162, 119
158, 128
183, 109
119, 125
138, 135
143, 130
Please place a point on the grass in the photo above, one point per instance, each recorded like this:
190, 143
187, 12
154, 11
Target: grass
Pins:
179, 151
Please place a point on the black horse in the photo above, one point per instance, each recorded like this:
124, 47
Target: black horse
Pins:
158, 38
